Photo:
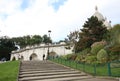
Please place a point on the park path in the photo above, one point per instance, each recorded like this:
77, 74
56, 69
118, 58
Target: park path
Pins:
49, 71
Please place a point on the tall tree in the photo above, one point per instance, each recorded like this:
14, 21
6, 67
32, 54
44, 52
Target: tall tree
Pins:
6, 46
73, 36
93, 31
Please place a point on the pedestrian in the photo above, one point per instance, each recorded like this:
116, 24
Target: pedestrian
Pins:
43, 56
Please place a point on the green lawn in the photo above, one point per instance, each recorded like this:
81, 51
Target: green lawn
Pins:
9, 71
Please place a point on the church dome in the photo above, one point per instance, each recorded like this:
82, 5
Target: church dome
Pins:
98, 15
107, 24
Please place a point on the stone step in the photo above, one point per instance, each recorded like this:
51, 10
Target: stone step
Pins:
39, 69
36, 62
44, 71
65, 79
39, 64
42, 66
49, 73
50, 77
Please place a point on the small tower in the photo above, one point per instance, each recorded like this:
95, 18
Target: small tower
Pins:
96, 8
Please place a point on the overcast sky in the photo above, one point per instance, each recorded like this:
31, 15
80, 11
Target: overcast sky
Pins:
30, 17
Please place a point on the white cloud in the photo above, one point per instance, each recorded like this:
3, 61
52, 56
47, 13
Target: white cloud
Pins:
9, 6
40, 17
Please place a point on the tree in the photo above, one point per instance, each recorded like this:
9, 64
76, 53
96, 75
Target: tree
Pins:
72, 40
28, 40
114, 43
6, 46
115, 34
37, 39
93, 31
73, 36
46, 39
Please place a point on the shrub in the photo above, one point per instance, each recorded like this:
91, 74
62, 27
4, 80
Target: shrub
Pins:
85, 51
91, 59
102, 56
78, 58
81, 55
114, 56
69, 56
95, 49
64, 57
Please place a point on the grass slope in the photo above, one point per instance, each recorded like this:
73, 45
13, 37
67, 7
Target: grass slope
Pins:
9, 71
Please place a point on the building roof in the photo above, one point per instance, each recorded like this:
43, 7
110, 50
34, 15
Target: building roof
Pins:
101, 18
107, 24
98, 14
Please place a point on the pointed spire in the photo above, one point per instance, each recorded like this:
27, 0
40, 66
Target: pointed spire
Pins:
109, 21
96, 8
105, 18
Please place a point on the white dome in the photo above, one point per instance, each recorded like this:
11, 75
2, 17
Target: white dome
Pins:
107, 24
98, 15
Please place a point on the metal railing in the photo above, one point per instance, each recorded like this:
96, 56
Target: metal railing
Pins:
106, 69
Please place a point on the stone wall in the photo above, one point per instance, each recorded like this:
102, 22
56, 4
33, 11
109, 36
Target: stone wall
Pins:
36, 52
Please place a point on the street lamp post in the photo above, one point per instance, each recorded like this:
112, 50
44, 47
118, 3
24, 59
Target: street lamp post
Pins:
49, 31
76, 40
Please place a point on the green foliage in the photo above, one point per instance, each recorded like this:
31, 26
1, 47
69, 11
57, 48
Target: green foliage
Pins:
36, 39
81, 55
26, 40
46, 39
91, 59
114, 56
102, 56
73, 36
6, 46
95, 49
71, 56
115, 48
85, 51
93, 31
83, 44
31, 40
113, 40
115, 34
78, 58
114, 52
64, 57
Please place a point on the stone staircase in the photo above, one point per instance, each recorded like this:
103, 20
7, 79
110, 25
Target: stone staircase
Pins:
48, 71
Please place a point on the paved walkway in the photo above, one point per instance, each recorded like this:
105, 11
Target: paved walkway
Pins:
49, 71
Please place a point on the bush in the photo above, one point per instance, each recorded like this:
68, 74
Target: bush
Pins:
114, 56
64, 57
85, 51
81, 56
91, 59
102, 56
95, 49
69, 56
78, 58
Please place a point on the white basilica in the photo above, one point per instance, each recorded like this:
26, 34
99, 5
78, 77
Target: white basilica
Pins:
102, 18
